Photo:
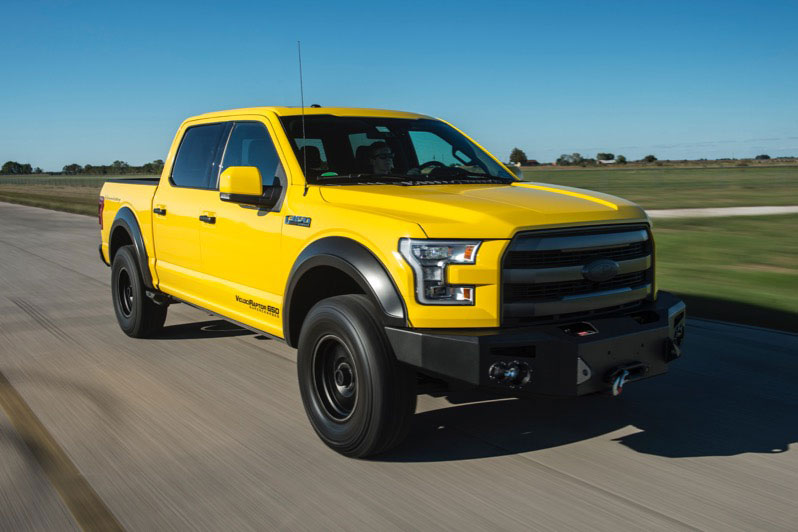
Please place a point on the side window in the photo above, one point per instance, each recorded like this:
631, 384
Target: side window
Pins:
195, 156
250, 145
431, 147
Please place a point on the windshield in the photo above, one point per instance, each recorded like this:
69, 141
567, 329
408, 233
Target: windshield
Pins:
348, 150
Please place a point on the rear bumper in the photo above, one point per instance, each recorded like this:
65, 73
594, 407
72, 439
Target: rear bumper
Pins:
559, 360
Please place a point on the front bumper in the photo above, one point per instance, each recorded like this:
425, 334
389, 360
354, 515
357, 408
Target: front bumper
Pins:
560, 359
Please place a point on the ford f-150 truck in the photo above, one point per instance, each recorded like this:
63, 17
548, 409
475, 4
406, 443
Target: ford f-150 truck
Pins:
390, 249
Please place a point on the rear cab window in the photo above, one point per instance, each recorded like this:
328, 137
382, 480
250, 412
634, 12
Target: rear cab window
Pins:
194, 163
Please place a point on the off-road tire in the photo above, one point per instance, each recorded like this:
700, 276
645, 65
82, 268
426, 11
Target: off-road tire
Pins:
341, 337
138, 315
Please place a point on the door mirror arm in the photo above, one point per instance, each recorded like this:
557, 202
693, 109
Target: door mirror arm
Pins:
269, 198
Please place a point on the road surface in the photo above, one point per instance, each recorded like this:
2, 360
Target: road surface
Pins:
203, 428
719, 212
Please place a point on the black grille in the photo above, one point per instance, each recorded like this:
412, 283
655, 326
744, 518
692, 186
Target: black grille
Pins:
514, 293
557, 258
547, 302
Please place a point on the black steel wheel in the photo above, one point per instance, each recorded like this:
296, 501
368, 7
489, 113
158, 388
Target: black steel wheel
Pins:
358, 397
335, 378
138, 315
124, 292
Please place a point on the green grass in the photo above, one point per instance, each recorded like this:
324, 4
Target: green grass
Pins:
76, 199
76, 194
673, 188
744, 260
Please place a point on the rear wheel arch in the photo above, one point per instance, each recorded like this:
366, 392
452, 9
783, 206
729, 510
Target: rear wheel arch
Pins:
335, 266
125, 230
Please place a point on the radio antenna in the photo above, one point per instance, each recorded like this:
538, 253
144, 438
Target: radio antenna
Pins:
302, 101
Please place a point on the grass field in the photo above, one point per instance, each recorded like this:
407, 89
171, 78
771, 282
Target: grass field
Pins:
78, 199
742, 267
76, 194
674, 188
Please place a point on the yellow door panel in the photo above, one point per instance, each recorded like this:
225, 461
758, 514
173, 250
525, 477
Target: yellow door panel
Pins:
176, 237
241, 248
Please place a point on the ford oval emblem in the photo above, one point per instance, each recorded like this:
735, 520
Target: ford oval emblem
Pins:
600, 270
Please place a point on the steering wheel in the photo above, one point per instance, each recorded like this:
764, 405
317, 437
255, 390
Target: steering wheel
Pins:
430, 164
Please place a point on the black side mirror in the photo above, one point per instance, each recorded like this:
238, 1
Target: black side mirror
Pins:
268, 199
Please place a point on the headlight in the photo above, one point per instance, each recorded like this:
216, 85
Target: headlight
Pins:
429, 259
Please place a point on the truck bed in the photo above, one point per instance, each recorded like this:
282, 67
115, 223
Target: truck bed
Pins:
136, 181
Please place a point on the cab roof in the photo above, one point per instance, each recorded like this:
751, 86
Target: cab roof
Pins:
294, 111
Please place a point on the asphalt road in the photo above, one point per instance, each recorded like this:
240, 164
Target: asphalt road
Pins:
718, 212
203, 428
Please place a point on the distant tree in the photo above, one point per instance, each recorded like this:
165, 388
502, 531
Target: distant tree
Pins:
571, 160
38, 170
518, 156
649, 158
762, 157
11, 167
26, 169
120, 167
620, 159
72, 169
155, 167
605, 156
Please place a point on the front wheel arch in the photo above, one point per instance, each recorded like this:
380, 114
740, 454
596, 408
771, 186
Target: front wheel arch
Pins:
349, 268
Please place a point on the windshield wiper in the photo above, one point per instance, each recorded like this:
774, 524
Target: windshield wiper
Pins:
462, 177
362, 178
465, 178
457, 174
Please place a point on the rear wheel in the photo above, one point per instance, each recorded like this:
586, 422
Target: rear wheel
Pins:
358, 397
138, 315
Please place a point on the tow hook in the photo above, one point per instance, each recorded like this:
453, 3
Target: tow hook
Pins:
619, 376
618, 382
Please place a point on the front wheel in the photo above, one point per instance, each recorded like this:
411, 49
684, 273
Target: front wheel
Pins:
138, 315
358, 397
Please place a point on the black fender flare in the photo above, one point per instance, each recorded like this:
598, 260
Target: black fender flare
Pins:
126, 221
355, 260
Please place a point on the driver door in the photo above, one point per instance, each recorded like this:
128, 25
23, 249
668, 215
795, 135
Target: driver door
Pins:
241, 243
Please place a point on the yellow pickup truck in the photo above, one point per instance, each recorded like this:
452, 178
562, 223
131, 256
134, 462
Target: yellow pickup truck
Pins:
391, 250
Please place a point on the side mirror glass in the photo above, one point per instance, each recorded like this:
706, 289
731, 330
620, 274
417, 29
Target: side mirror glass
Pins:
243, 184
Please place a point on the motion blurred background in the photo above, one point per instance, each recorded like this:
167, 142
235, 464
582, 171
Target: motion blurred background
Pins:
674, 105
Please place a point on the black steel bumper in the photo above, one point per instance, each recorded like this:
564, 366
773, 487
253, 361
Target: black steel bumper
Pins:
559, 359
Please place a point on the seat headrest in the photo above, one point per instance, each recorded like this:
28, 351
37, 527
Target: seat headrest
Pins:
311, 154
362, 156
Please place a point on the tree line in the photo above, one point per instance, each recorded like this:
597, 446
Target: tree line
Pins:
115, 168
518, 156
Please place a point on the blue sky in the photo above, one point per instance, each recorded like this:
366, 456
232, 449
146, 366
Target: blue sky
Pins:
93, 82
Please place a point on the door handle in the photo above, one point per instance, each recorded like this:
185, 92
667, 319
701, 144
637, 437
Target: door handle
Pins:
159, 210
207, 219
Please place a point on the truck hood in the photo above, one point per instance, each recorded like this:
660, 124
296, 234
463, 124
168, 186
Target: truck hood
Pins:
484, 211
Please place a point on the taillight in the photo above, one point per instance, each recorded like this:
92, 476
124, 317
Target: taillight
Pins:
100, 207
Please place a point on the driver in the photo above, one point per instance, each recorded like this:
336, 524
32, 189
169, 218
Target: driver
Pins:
381, 158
